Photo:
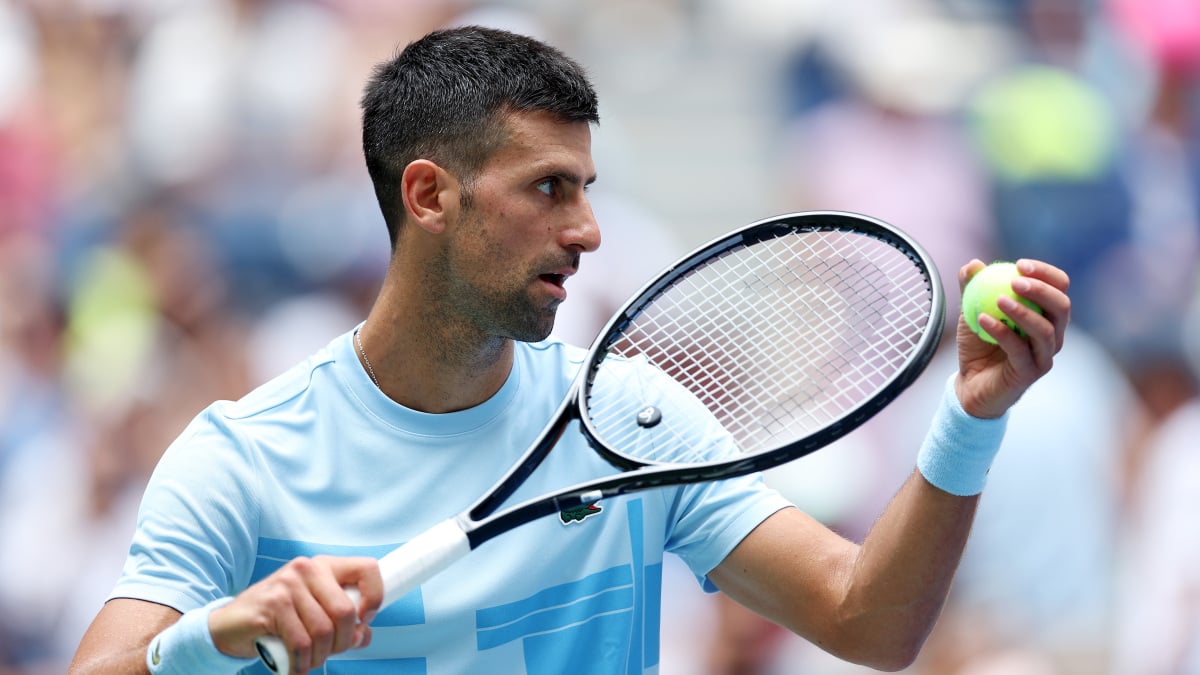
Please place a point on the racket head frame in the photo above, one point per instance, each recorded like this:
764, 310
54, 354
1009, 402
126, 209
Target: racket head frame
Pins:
801, 222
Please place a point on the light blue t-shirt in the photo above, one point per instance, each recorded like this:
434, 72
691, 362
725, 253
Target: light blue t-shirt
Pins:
319, 461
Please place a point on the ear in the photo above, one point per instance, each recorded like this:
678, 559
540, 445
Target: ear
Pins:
430, 194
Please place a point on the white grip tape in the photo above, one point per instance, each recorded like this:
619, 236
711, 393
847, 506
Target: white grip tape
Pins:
273, 654
403, 569
422, 557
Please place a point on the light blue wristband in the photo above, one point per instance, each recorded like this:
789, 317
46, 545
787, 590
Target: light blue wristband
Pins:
187, 648
958, 451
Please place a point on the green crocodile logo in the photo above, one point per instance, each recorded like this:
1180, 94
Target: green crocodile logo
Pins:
578, 513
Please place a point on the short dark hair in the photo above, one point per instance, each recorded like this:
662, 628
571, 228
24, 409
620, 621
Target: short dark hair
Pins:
444, 98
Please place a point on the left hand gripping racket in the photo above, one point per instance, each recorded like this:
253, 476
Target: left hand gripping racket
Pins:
758, 348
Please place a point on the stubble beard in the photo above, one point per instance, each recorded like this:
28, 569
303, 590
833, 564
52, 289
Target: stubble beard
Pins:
498, 305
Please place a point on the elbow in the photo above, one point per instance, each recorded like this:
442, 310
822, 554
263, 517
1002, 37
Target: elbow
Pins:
888, 635
896, 659
891, 657
897, 647
888, 646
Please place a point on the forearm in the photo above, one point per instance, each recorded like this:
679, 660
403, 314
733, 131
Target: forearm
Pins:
135, 637
873, 603
117, 639
901, 575
900, 578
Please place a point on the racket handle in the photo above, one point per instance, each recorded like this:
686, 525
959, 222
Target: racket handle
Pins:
273, 654
421, 558
403, 569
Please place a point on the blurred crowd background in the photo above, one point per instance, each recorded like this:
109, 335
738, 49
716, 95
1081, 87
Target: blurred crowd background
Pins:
184, 213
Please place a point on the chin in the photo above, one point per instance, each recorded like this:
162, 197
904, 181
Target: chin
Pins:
533, 331
527, 324
533, 335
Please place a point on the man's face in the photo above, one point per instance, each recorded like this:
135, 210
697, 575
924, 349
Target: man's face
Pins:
527, 222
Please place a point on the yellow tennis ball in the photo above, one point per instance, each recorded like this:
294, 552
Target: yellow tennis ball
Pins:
981, 293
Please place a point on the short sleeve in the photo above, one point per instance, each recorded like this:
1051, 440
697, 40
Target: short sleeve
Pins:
710, 519
197, 522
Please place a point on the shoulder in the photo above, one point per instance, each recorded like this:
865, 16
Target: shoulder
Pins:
315, 382
281, 400
281, 390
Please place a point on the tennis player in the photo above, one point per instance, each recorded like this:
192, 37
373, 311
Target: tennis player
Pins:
478, 143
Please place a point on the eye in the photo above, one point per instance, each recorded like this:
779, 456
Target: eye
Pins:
548, 187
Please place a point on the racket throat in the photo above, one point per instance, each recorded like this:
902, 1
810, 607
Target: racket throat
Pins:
532, 459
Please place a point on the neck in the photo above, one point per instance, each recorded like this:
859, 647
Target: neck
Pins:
425, 364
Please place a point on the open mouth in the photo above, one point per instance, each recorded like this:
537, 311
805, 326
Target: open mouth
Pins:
554, 285
555, 279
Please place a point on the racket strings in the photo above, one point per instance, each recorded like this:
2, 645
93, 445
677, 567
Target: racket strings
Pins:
774, 340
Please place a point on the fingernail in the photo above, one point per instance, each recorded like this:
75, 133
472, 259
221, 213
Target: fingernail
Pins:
1021, 285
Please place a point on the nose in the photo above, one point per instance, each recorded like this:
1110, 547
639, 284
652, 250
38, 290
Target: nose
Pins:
584, 233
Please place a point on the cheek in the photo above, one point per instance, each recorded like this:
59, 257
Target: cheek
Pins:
483, 254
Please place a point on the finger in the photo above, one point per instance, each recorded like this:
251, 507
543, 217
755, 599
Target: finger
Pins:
291, 629
1017, 349
1040, 269
285, 592
318, 625
310, 585
1055, 304
366, 634
362, 574
351, 595
336, 607
1039, 340
969, 270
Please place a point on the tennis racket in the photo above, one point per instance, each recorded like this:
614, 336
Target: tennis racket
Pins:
758, 348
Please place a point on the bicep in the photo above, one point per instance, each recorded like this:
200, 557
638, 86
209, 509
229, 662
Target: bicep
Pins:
792, 570
116, 640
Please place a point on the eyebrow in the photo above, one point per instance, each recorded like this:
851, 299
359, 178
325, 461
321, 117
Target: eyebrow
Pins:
572, 177
561, 171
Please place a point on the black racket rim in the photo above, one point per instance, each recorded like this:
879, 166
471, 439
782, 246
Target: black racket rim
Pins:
915, 363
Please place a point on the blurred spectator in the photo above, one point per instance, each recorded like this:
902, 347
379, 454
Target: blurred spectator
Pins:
1162, 166
1159, 586
146, 346
1158, 632
894, 151
26, 166
1048, 139
37, 455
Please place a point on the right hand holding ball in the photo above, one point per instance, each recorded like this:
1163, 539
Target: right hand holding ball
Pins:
981, 293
